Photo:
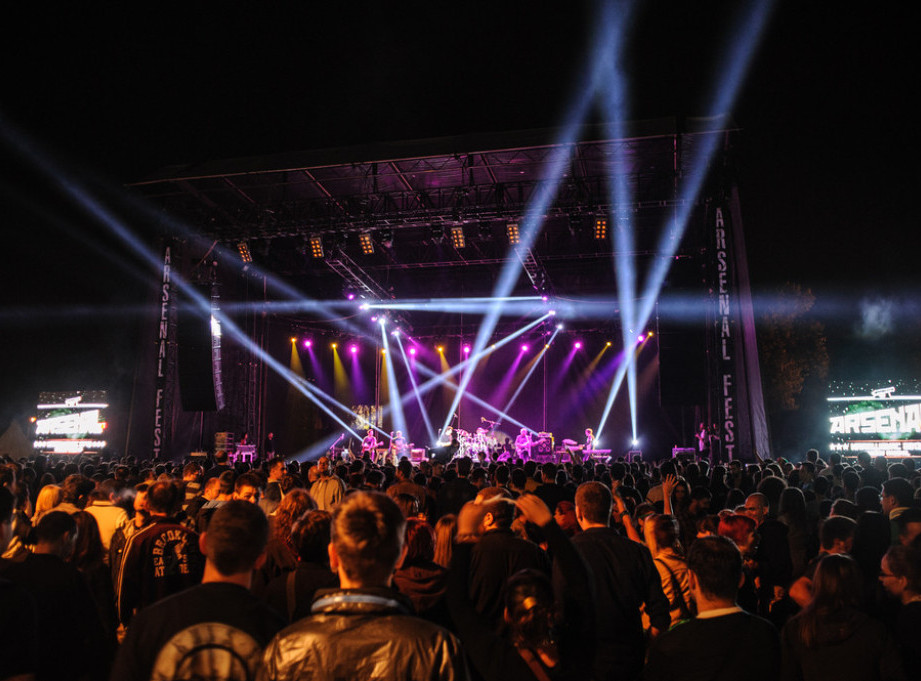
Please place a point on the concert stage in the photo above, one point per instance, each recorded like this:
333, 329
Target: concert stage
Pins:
454, 282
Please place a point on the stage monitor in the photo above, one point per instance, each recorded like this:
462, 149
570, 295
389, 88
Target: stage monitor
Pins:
71, 422
882, 417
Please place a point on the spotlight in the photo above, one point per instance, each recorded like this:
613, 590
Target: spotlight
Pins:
367, 245
635, 442
350, 295
649, 335
524, 348
641, 338
601, 228
578, 345
334, 345
545, 298
395, 333
457, 237
512, 230
308, 343
383, 352
316, 246
374, 318
294, 340
383, 321
353, 349
440, 348
559, 326
608, 344
552, 313
243, 249
466, 349
412, 351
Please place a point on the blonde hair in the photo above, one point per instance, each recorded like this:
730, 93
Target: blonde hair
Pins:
48, 497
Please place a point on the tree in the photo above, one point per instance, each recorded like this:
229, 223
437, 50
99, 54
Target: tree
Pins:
792, 346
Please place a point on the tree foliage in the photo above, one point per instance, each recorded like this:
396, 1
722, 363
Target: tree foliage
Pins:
792, 346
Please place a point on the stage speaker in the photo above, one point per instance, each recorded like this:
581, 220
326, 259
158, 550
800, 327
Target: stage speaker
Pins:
683, 367
199, 355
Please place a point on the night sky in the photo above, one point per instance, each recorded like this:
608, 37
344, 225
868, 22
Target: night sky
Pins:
828, 176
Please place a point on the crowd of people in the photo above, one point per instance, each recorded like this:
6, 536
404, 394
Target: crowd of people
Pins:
129, 569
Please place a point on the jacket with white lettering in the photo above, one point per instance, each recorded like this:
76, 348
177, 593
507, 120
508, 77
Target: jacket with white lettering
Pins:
158, 561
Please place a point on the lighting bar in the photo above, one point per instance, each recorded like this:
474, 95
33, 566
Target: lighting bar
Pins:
513, 235
601, 229
457, 237
367, 245
316, 246
243, 249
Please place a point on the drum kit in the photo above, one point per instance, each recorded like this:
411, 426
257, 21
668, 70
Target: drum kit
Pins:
473, 444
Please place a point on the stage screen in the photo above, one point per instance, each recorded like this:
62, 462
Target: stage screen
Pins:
882, 417
71, 422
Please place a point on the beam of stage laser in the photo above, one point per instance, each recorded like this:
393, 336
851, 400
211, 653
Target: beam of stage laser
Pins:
617, 17
439, 379
100, 213
736, 61
524, 381
393, 392
481, 402
412, 378
538, 204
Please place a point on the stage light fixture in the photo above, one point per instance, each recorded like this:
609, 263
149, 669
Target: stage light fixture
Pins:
485, 231
457, 237
525, 348
367, 244
601, 228
386, 237
513, 235
334, 345
578, 345
466, 349
412, 351
294, 340
243, 249
440, 348
316, 246
437, 234
353, 349
608, 344
308, 343
559, 326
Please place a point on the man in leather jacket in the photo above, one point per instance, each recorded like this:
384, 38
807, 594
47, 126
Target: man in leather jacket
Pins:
364, 629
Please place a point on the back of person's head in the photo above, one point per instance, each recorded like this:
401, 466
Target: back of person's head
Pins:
772, 487
593, 501
310, 536
293, 506
236, 537
845, 508
367, 533
162, 498
409, 505
665, 531
518, 478
867, 499
548, 471
420, 541
220, 457
836, 587
793, 505
530, 609
192, 470
898, 470
76, 488
502, 511
6, 506
53, 527
837, 528
812, 455
464, 466
405, 467
736, 527
227, 479
502, 475
88, 550
717, 565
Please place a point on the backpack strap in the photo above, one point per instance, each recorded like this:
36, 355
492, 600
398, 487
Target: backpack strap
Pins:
679, 593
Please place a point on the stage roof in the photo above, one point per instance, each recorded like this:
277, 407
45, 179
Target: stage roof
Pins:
404, 199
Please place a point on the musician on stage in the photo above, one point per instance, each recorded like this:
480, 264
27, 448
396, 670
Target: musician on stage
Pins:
397, 446
523, 445
703, 439
589, 440
369, 444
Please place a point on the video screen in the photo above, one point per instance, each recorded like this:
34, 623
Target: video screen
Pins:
71, 422
882, 417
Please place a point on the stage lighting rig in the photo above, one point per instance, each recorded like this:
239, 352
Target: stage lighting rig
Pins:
366, 242
243, 249
457, 237
514, 237
601, 229
316, 246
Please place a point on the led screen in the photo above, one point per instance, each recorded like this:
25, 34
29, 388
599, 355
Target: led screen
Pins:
882, 417
71, 422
